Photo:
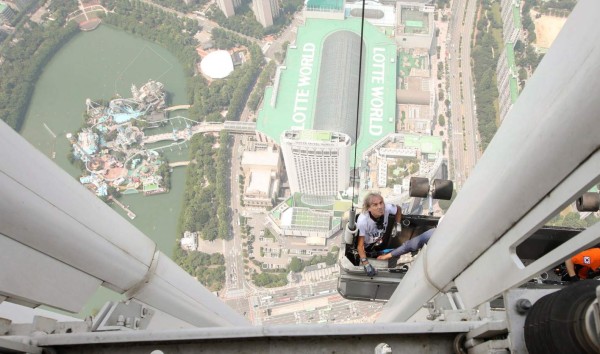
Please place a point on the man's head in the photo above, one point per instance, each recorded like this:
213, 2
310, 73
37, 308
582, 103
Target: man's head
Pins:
374, 203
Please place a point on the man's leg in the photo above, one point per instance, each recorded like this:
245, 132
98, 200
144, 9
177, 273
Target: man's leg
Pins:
413, 244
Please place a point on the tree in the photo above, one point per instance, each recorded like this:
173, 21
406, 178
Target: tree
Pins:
296, 265
269, 280
414, 168
522, 74
330, 259
572, 220
441, 120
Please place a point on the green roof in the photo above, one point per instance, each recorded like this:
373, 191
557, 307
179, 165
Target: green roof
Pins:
325, 4
307, 218
414, 23
407, 61
312, 202
315, 135
295, 102
342, 205
517, 16
514, 89
510, 55
512, 67
427, 144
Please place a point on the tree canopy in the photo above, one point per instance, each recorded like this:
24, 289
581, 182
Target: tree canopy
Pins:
25, 54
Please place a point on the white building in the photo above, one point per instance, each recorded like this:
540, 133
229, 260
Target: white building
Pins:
265, 11
317, 162
511, 20
415, 26
378, 14
189, 242
228, 6
262, 173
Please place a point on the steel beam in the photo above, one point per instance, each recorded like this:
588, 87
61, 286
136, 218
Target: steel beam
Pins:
548, 133
500, 269
433, 337
46, 211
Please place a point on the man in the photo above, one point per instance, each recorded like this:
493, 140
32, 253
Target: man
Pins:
586, 261
375, 225
372, 223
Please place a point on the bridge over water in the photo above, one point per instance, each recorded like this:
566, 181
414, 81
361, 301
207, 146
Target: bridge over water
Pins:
179, 163
184, 134
175, 108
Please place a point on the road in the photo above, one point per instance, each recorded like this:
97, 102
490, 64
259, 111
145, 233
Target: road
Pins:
235, 285
288, 35
206, 24
465, 143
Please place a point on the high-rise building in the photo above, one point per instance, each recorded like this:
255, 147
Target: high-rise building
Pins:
228, 6
317, 161
507, 69
265, 11
6, 13
22, 4
511, 20
507, 79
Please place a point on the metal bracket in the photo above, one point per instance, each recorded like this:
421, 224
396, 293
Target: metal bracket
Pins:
128, 315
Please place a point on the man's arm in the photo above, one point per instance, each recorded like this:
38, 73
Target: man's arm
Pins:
360, 247
570, 267
398, 214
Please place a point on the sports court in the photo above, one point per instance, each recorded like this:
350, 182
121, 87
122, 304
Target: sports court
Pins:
414, 21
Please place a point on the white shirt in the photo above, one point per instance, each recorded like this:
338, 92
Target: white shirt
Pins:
367, 227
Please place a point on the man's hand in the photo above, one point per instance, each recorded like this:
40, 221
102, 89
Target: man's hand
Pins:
385, 256
370, 270
567, 277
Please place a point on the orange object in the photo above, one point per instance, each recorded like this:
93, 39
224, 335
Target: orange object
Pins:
588, 259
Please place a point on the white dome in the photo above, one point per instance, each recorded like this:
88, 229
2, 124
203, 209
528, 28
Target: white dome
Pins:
217, 65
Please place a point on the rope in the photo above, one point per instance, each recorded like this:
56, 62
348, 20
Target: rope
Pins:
358, 97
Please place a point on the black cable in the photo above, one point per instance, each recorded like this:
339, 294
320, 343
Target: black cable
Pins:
360, 60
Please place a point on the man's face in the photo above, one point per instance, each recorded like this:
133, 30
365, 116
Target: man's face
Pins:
377, 206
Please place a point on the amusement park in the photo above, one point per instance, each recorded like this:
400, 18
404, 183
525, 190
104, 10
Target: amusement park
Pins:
115, 153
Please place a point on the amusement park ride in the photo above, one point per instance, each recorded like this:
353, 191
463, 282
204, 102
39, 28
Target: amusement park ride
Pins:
474, 276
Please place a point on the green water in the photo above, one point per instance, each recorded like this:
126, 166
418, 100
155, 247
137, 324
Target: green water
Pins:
98, 65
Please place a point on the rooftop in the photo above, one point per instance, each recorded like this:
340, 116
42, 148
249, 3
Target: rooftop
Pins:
325, 4
315, 135
217, 65
427, 144
298, 86
260, 182
260, 158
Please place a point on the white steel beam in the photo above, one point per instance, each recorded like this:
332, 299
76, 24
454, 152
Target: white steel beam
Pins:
550, 130
23, 266
45, 209
500, 269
